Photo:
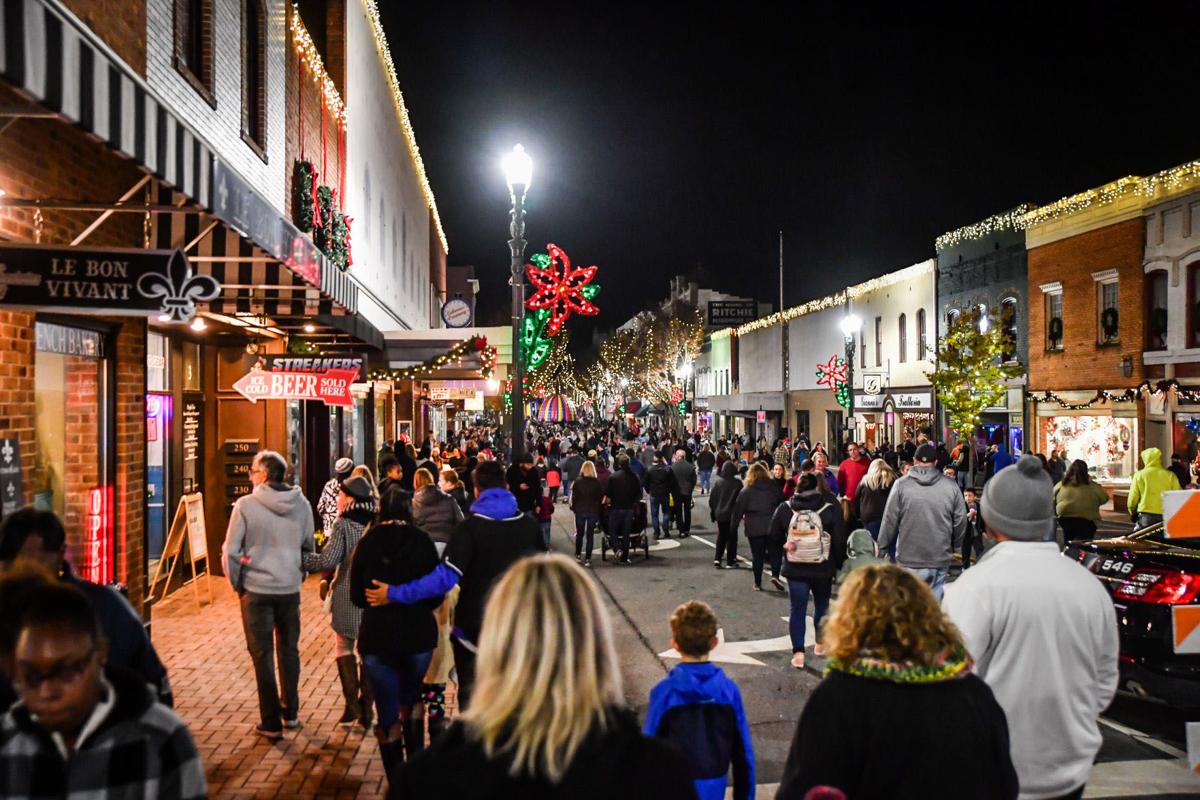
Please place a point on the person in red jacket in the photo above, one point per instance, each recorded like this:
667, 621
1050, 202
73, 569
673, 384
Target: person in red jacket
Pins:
852, 470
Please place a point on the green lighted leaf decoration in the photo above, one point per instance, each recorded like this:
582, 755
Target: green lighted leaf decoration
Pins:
590, 291
540, 260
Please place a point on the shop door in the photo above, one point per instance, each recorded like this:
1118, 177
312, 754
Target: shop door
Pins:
802, 424
833, 430
158, 459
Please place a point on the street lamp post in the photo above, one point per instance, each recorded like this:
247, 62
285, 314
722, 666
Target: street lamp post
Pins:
851, 324
518, 172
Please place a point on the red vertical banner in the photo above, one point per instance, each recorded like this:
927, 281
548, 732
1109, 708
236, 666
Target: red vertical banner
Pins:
98, 536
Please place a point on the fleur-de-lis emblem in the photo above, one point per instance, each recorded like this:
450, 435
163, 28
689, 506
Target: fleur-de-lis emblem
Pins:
179, 288
7, 451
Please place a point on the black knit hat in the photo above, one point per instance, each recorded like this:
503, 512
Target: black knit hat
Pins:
357, 487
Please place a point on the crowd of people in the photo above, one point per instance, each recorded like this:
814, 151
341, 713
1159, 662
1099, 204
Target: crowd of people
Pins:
441, 570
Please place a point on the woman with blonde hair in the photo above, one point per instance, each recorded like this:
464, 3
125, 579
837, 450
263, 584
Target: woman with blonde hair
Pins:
546, 718
871, 497
755, 505
898, 674
586, 495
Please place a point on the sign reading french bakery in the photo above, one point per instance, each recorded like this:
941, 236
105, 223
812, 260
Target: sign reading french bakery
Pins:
106, 280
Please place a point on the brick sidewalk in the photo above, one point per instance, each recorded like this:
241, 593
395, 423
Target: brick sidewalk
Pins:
206, 658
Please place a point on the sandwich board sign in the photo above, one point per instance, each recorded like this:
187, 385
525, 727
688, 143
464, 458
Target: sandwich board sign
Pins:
188, 524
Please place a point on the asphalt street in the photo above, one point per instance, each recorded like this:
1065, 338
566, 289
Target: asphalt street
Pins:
1144, 742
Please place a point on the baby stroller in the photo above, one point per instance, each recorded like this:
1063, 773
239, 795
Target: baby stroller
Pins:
639, 539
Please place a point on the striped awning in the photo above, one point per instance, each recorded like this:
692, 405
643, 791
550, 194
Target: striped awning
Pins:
52, 57
49, 55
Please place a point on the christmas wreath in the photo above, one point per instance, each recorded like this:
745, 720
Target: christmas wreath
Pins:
304, 174
323, 222
1108, 322
1056, 329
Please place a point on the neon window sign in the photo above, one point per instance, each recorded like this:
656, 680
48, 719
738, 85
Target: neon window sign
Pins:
97, 564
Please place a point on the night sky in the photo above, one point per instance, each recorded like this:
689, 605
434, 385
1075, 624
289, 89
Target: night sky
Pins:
670, 139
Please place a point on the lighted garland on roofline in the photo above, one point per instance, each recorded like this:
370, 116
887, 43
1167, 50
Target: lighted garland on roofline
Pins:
476, 344
1006, 221
306, 51
1185, 394
414, 152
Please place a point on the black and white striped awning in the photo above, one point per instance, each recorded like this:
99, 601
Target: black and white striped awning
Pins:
49, 55
53, 58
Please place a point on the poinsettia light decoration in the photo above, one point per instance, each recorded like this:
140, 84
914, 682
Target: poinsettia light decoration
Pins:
561, 288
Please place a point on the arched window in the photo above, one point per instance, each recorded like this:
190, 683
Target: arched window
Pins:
254, 75
903, 338
1008, 323
1156, 310
922, 337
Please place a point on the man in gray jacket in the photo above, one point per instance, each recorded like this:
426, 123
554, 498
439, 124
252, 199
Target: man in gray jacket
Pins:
570, 471
270, 529
926, 517
685, 479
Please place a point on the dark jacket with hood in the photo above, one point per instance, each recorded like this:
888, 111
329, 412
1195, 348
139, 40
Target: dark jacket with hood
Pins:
724, 493
527, 498
436, 513
659, 480
831, 520
394, 554
699, 710
617, 762
624, 490
586, 495
484, 546
408, 468
756, 504
869, 503
705, 461
395, 502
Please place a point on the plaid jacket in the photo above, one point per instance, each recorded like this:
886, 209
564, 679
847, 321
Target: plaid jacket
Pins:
141, 750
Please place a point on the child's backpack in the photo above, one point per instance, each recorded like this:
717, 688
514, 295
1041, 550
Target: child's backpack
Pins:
807, 541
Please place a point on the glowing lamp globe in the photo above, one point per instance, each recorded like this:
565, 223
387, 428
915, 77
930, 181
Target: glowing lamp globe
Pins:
518, 169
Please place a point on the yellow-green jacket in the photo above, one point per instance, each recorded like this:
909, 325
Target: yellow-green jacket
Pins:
1149, 482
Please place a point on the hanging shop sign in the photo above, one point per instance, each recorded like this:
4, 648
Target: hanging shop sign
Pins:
872, 383
11, 489
864, 402
237, 203
456, 313
331, 387
108, 280
913, 400
316, 364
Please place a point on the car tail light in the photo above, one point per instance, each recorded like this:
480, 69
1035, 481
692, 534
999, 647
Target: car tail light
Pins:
1156, 586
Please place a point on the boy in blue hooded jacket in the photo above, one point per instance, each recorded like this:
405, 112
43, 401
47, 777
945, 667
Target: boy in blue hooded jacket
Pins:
699, 710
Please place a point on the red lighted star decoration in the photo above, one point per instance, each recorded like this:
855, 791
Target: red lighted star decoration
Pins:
561, 288
833, 373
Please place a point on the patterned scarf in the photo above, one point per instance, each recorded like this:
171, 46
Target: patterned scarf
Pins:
951, 663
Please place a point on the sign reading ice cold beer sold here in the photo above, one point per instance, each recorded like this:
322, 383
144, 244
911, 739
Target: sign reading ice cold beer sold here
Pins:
332, 387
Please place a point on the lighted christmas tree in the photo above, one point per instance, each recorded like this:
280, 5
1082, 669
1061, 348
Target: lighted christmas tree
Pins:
971, 374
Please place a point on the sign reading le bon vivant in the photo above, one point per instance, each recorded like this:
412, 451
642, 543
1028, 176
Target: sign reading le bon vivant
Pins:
105, 280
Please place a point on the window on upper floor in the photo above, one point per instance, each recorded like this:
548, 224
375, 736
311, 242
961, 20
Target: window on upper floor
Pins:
254, 76
1008, 324
1193, 307
1108, 319
1054, 320
922, 336
903, 338
1156, 310
862, 349
194, 45
879, 341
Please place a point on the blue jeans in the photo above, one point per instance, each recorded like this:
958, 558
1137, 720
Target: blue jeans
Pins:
798, 590
396, 683
658, 504
705, 479
545, 526
585, 525
935, 578
620, 523
567, 486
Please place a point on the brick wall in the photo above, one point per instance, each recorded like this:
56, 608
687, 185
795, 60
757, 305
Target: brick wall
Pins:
122, 26
221, 126
1083, 363
46, 159
321, 151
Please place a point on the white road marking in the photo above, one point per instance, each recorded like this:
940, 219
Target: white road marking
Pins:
713, 545
1146, 739
736, 652
664, 544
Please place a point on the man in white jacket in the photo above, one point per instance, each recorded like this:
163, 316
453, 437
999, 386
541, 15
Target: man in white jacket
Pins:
1043, 633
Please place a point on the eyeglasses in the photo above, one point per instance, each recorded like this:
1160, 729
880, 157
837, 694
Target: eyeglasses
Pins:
66, 673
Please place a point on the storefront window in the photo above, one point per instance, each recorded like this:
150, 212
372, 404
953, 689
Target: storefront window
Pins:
156, 363
1106, 444
1187, 437
70, 470
354, 426
383, 397
295, 454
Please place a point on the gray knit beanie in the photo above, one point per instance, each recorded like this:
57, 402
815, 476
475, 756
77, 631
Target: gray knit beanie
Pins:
1019, 502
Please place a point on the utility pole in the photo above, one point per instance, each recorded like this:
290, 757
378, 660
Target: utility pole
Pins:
783, 335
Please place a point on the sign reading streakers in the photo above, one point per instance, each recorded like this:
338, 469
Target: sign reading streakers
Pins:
332, 387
